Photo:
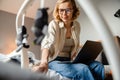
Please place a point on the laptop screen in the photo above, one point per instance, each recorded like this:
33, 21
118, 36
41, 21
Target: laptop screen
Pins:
89, 52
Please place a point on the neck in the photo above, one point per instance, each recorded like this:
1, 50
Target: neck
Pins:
68, 24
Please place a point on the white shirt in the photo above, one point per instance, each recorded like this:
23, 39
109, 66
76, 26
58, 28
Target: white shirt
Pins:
55, 38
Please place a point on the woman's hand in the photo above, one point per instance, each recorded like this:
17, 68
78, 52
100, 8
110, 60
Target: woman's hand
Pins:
42, 67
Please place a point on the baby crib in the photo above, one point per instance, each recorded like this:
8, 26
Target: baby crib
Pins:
99, 23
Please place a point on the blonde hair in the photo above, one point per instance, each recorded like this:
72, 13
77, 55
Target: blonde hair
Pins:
76, 11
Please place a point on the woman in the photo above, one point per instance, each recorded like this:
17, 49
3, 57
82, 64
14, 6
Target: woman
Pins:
62, 44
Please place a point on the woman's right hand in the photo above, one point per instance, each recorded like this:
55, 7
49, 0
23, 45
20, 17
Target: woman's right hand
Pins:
42, 67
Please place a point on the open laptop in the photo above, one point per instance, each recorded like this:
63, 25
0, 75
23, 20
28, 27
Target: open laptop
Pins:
88, 52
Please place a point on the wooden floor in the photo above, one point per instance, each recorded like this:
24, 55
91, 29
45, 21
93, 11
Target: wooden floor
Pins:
109, 77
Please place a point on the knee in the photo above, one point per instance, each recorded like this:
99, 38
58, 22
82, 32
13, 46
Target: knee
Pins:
96, 64
84, 67
98, 69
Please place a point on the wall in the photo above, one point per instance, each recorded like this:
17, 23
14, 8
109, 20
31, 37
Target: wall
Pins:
8, 34
88, 32
107, 8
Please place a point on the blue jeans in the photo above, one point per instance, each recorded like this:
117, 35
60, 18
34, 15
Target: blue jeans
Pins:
92, 71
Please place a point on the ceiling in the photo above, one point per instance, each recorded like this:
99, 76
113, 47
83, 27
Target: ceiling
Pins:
13, 6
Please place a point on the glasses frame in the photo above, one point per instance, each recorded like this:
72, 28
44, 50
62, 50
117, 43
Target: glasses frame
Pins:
67, 10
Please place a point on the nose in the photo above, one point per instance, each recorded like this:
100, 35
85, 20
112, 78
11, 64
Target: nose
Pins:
65, 12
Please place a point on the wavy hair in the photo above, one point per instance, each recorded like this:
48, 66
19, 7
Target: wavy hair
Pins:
76, 11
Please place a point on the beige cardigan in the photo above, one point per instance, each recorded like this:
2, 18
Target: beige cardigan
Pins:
55, 38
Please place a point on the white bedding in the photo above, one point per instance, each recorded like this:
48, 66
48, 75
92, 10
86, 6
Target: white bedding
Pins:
51, 73
55, 76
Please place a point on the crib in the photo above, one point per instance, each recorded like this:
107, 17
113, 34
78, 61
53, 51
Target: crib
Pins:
99, 23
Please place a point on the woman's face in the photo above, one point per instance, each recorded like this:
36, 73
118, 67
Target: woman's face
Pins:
65, 11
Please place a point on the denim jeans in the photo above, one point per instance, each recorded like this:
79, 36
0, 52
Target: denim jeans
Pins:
78, 71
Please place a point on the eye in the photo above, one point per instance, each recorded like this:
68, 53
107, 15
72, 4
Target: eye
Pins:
68, 10
61, 10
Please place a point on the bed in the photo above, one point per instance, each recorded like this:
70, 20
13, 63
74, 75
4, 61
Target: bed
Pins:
16, 60
107, 40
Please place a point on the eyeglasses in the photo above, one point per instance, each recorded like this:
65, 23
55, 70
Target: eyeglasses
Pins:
68, 10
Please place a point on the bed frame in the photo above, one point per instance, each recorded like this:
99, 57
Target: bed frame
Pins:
101, 26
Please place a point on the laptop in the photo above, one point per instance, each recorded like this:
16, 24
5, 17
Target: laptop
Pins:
88, 52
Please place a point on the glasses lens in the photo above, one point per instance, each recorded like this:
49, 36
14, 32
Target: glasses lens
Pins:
68, 10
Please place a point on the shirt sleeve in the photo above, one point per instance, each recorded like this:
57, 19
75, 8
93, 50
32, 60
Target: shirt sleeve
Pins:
78, 36
49, 39
78, 31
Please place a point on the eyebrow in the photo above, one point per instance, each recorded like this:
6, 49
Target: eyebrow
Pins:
64, 8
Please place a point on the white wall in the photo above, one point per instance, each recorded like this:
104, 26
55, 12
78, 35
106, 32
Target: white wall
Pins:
8, 6
8, 34
107, 8
88, 32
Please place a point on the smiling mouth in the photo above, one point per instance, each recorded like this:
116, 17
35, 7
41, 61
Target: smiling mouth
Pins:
65, 17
